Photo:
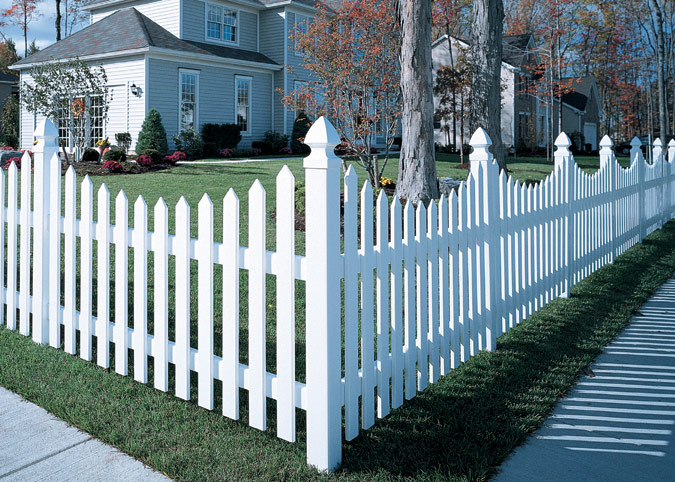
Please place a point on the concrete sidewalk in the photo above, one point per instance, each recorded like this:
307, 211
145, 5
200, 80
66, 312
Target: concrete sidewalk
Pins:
618, 423
38, 446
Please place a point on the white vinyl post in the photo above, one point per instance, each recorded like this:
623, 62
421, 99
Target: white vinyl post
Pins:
324, 410
636, 155
607, 162
482, 159
658, 160
565, 163
45, 154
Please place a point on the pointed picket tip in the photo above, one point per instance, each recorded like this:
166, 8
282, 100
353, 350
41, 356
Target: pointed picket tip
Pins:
322, 133
502, 176
140, 203
103, 190
658, 142
408, 206
382, 197
442, 201
453, 196
160, 205
432, 208
395, 202
230, 196
635, 142
121, 196
563, 140
671, 143
205, 200
87, 182
350, 171
480, 138
183, 204
606, 141
256, 187
25, 158
285, 174
367, 189
421, 209
46, 128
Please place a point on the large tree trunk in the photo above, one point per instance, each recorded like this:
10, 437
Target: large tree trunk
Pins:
417, 180
58, 20
660, 68
486, 65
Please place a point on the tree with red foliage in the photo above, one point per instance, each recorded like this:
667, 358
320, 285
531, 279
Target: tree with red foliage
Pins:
352, 53
21, 13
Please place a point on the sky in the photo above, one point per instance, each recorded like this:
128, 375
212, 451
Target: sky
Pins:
42, 29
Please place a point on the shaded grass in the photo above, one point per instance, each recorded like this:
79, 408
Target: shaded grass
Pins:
460, 428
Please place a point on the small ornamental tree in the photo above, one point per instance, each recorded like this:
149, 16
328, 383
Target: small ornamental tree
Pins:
300, 127
70, 93
152, 135
9, 122
352, 53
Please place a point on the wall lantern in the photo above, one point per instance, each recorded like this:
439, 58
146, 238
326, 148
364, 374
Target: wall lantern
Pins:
135, 90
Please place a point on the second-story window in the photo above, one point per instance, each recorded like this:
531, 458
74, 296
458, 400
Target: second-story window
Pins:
221, 23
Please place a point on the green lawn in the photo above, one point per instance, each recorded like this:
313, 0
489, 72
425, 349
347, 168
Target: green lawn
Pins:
459, 429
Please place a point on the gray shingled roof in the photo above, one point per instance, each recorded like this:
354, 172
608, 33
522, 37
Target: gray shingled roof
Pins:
514, 47
128, 29
8, 77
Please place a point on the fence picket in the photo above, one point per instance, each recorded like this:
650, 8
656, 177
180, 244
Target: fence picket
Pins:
12, 222
102, 279
69, 321
464, 279
382, 291
351, 305
410, 357
422, 341
257, 307
86, 258
182, 299
24, 245
396, 284
160, 349
121, 236
432, 293
230, 303
454, 295
205, 303
444, 316
139, 342
286, 305
368, 378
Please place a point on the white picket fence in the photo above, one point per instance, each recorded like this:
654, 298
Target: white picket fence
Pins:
425, 289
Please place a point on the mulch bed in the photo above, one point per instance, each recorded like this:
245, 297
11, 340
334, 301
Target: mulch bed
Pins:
96, 168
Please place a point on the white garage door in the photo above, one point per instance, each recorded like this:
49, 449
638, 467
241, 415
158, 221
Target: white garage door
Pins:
591, 134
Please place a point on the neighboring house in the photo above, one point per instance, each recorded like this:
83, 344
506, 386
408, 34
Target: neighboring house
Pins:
194, 61
525, 118
9, 84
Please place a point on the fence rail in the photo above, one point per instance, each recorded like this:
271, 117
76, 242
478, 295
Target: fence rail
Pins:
411, 294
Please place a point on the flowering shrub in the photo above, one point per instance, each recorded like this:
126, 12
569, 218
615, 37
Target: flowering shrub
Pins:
103, 143
286, 150
227, 152
16, 160
168, 160
6, 148
178, 156
112, 166
256, 151
144, 160
386, 182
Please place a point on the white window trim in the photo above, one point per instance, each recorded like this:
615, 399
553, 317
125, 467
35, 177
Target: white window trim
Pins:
249, 132
180, 93
306, 18
206, 24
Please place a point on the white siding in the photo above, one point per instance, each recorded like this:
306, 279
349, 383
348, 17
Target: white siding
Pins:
163, 12
126, 112
296, 72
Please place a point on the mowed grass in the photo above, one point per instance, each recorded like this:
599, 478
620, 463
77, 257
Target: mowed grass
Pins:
459, 429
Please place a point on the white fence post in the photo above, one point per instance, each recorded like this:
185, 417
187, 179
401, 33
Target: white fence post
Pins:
609, 163
636, 155
565, 164
45, 153
658, 160
324, 411
482, 159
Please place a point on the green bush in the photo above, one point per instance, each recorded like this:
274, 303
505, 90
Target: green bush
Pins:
300, 196
115, 154
123, 140
157, 157
276, 141
152, 135
90, 155
220, 136
9, 122
9, 139
300, 127
189, 142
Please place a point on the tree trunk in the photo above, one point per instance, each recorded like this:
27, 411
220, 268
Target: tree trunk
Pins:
486, 65
58, 20
660, 60
417, 180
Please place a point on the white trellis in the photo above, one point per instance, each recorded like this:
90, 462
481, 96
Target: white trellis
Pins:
422, 290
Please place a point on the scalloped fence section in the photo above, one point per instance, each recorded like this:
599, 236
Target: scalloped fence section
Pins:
395, 300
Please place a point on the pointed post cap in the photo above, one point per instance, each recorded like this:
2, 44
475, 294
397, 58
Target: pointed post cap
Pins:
46, 134
322, 138
481, 142
658, 142
563, 141
635, 142
480, 138
606, 142
671, 144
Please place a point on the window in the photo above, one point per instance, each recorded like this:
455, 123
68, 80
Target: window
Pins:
301, 25
84, 114
63, 121
95, 119
188, 99
221, 23
242, 103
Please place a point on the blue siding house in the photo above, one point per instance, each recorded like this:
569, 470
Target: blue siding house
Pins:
195, 61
